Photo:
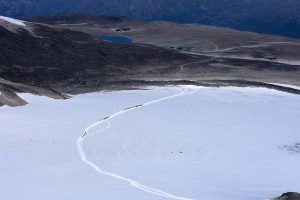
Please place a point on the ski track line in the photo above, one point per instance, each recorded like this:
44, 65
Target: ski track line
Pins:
134, 183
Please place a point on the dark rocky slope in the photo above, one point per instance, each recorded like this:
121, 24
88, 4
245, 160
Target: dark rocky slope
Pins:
9, 93
196, 38
289, 196
48, 57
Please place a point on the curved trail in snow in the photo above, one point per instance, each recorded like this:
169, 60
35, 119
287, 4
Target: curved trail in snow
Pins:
181, 67
185, 90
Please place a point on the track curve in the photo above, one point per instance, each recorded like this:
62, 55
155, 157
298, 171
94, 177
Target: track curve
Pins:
184, 90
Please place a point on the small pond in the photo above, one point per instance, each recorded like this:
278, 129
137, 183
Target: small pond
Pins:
116, 39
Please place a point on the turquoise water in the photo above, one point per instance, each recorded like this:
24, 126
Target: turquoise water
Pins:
116, 39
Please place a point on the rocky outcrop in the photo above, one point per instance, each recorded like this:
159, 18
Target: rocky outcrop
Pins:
289, 196
9, 93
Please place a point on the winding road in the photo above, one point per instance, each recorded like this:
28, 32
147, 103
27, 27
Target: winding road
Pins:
214, 53
184, 90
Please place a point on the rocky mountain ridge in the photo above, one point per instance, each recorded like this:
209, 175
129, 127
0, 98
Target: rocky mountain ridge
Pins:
265, 16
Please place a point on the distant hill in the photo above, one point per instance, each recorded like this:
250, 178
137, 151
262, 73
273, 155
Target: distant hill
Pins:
266, 16
74, 61
64, 60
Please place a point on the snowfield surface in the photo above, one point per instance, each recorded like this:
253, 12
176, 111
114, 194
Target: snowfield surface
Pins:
184, 143
13, 21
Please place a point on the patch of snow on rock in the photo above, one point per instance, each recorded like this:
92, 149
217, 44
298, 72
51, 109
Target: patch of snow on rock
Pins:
13, 21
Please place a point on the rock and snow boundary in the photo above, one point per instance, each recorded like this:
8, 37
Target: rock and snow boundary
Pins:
13, 21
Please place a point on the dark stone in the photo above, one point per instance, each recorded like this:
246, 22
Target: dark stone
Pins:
289, 196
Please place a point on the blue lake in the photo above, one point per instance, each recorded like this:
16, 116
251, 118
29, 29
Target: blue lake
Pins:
116, 39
